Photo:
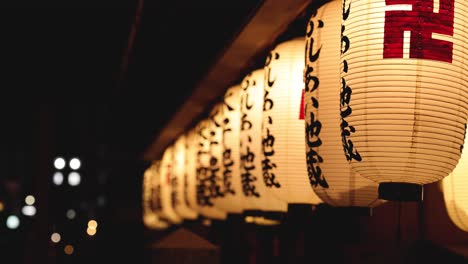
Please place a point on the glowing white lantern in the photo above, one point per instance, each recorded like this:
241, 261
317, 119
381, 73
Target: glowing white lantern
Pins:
209, 185
404, 94
168, 188
191, 147
226, 116
455, 191
251, 153
284, 164
179, 172
330, 174
150, 218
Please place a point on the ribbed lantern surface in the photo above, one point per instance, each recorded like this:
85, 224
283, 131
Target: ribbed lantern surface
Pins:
330, 174
181, 207
168, 186
404, 88
284, 163
190, 189
150, 218
225, 117
251, 153
208, 185
455, 191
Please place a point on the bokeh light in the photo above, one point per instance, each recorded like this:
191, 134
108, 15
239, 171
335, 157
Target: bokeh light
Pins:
59, 163
68, 249
74, 178
92, 224
29, 200
71, 214
57, 179
75, 163
12, 222
55, 237
29, 210
91, 231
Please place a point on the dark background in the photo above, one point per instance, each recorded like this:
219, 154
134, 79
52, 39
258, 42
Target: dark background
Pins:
95, 80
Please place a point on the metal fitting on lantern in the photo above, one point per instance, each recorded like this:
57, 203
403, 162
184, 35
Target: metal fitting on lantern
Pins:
398, 191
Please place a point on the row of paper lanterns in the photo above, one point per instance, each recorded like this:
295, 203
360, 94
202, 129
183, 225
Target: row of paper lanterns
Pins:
362, 109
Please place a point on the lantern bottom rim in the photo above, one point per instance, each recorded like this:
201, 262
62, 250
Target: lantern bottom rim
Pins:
272, 215
400, 191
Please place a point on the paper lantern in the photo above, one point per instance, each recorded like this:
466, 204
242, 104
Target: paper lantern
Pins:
150, 218
209, 185
225, 118
156, 194
181, 207
191, 147
404, 91
455, 191
330, 174
251, 153
168, 187
283, 163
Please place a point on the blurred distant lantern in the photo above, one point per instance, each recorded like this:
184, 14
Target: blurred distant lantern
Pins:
284, 163
169, 186
209, 183
261, 221
179, 171
150, 219
455, 191
226, 119
191, 147
251, 154
404, 93
329, 172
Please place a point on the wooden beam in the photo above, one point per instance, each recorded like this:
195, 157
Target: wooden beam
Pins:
270, 21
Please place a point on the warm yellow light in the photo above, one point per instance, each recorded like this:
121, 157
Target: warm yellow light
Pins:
2, 206
207, 187
168, 183
150, 218
228, 118
68, 249
92, 224
284, 164
330, 174
29, 200
191, 144
262, 221
455, 190
249, 219
404, 102
206, 222
180, 181
251, 153
55, 237
91, 231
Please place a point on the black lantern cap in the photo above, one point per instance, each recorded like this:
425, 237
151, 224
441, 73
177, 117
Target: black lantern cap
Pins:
399, 191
